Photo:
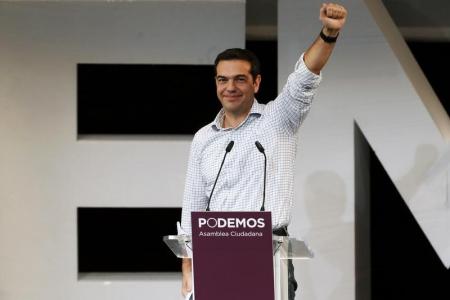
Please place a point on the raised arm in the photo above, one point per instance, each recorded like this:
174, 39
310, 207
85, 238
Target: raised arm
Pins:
333, 18
293, 103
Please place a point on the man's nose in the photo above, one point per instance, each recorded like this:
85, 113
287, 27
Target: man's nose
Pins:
231, 86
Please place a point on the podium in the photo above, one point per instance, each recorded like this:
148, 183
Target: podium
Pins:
283, 249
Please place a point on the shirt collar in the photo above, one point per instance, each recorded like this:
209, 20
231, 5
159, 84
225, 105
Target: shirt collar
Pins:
256, 109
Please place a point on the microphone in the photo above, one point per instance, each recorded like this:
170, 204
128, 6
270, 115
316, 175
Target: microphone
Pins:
227, 150
261, 149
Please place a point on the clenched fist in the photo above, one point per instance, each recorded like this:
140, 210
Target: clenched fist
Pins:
333, 17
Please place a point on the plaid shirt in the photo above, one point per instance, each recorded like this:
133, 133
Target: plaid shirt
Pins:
240, 185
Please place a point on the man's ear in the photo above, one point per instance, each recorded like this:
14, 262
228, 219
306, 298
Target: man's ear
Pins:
256, 83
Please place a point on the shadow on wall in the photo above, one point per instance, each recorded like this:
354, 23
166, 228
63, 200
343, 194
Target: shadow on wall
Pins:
325, 200
410, 183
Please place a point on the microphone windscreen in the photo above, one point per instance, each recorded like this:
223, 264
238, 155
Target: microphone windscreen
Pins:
259, 146
230, 146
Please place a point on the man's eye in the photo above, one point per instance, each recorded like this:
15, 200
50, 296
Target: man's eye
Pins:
241, 79
221, 80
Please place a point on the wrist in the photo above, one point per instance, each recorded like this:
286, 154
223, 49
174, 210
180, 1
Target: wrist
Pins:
328, 38
329, 32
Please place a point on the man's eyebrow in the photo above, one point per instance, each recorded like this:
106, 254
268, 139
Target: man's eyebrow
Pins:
235, 76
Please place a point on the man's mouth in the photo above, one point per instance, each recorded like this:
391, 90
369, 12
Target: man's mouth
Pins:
232, 96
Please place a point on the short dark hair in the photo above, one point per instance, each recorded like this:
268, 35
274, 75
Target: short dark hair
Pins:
240, 54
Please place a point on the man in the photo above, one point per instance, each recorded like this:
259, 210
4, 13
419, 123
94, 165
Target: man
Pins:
245, 121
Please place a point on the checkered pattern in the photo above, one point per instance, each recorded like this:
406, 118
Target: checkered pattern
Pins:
240, 185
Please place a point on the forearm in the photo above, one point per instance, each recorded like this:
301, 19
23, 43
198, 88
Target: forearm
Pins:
319, 52
186, 268
186, 265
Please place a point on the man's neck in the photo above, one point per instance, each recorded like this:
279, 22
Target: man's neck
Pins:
232, 121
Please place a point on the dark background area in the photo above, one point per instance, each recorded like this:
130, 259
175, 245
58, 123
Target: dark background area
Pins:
267, 53
145, 99
117, 239
434, 60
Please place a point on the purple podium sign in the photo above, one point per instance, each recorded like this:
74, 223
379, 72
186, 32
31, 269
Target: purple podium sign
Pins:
232, 256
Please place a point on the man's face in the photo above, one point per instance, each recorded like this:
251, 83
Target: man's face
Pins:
236, 87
